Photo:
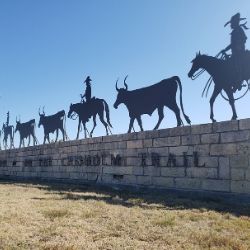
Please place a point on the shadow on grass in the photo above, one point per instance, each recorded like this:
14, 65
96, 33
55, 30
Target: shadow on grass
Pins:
146, 198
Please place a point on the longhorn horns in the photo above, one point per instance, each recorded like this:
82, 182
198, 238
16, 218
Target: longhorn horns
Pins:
125, 84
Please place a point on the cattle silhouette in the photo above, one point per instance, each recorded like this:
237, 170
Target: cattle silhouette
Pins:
87, 110
147, 100
26, 130
53, 123
8, 132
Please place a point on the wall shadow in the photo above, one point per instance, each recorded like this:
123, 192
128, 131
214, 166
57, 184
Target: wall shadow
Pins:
238, 205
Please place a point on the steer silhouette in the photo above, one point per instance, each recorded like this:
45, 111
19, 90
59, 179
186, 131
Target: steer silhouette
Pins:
53, 123
26, 129
147, 100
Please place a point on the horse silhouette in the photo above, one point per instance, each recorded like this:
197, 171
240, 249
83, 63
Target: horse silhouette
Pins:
147, 100
8, 132
223, 75
87, 110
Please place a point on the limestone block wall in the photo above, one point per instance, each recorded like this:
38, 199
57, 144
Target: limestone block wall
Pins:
213, 157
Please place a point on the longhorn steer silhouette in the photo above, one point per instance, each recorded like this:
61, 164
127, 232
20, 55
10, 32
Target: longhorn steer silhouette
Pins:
147, 100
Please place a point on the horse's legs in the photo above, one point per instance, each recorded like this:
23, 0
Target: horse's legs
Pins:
139, 122
56, 135
217, 90
44, 139
85, 130
131, 124
78, 130
103, 122
28, 141
231, 102
94, 122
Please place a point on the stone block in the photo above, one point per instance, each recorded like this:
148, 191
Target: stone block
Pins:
188, 183
224, 169
202, 150
201, 129
147, 143
179, 150
143, 180
190, 139
173, 172
176, 131
199, 172
237, 174
133, 161
135, 144
152, 171
244, 124
248, 174
129, 179
225, 126
92, 177
239, 161
168, 141
240, 187
216, 185
223, 149
163, 182
137, 171
209, 161
210, 138
118, 170
237, 136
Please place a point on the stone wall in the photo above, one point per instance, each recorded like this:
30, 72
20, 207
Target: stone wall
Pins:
213, 157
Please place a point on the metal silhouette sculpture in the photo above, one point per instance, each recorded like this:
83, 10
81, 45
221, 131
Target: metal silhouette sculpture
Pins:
228, 72
26, 130
53, 123
147, 100
87, 94
85, 111
8, 132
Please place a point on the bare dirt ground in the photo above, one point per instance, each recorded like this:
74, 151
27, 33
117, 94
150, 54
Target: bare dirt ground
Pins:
42, 216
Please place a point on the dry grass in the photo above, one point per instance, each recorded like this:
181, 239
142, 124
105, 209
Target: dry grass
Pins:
63, 217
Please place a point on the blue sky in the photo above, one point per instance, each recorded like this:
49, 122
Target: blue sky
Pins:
49, 47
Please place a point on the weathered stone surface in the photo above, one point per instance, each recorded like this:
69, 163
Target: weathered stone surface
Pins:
235, 136
177, 131
143, 180
163, 182
180, 150
210, 138
225, 126
190, 139
239, 161
216, 185
168, 141
173, 172
244, 124
240, 187
135, 144
224, 169
237, 174
188, 183
201, 129
223, 149
208, 173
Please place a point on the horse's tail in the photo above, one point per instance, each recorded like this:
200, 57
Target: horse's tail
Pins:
106, 107
177, 79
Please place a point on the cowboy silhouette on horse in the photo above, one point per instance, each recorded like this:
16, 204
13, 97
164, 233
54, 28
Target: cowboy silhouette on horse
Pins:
227, 72
237, 47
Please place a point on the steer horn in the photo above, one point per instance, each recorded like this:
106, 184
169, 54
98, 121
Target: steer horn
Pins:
125, 84
116, 85
43, 110
39, 111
